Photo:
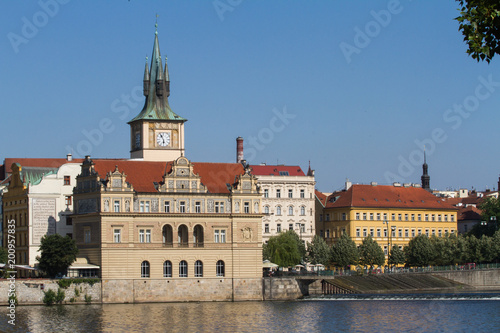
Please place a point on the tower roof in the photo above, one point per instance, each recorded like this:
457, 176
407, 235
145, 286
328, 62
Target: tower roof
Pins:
156, 106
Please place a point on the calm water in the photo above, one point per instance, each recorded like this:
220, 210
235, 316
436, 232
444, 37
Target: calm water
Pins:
423, 313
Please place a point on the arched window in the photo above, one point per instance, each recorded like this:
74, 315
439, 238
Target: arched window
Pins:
167, 269
278, 210
182, 236
183, 269
168, 236
266, 209
145, 269
290, 210
220, 269
303, 210
198, 268
198, 236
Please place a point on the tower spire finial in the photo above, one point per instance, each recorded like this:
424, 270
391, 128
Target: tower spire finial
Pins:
156, 24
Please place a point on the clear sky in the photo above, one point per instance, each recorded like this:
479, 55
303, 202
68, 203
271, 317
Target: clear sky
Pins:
355, 87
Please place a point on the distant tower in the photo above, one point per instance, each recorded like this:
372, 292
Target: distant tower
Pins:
426, 179
239, 149
498, 186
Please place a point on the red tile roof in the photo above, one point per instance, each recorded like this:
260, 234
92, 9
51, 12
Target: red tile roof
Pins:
384, 196
39, 162
142, 174
274, 170
321, 197
469, 213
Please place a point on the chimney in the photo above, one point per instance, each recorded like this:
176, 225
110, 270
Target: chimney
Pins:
348, 184
239, 149
69, 157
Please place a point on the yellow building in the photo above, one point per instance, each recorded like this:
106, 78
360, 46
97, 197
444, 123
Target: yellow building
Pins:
407, 211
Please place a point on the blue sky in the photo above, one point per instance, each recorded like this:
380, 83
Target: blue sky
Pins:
357, 88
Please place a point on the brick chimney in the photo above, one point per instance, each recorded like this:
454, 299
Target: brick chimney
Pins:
239, 149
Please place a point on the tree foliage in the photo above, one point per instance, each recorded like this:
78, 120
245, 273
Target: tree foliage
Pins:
345, 252
284, 250
57, 254
370, 253
419, 251
479, 22
396, 256
490, 208
319, 251
3, 255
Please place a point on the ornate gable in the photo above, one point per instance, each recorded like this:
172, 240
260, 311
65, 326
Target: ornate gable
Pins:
182, 178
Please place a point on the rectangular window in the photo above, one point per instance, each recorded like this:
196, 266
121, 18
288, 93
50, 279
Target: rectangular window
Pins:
385, 216
407, 233
197, 207
372, 232
146, 207
399, 217
419, 232
412, 232
278, 193
117, 206
290, 226
216, 236
440, 233
358, 232
406, 217
427, 217
141, 236
385, 250
378, 232
321, 217
433, 232
148, 235
167, 206
446, 218
413, 217
364, 232
67, 180
378, 216
327, 217
67, 200
393, 217
290, 193
439, 217
344, 216
385, 232
87, 236
219, 206
223, 236
182, 206
117, 235
141, 207
69, 220
357, 216
266, 193
302, 194
278, 227
246, 207
452, 218
266, 228
371, 216
433, 217
400, 232
427, 232
327, 233
364, 216
420, 217
303, 228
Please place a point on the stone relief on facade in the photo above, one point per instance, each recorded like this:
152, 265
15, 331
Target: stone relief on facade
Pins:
154, 205
182, 184
136, 204
127, 205
116, 183
106, 205
194, 184
228, 205
210, 205
256, 207
170, 184
247, 234
237, 207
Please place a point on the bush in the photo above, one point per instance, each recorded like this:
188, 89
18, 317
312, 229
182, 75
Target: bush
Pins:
13, 298
77, 292
88, 299
72, 300
60, 296
65, 283
50, 296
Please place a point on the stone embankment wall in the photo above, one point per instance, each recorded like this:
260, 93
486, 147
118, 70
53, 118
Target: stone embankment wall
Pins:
483, 279
32, 291
281, 289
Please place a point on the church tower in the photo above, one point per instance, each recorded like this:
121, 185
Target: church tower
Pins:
156, 133
426, 179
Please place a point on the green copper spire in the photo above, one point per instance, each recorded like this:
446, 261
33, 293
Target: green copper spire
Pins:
156, 90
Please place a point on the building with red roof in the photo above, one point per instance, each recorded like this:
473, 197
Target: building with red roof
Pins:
362, 210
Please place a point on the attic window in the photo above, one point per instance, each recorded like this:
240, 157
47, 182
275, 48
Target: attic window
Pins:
284, 173
363, 199
375, 199
423, 201
386, 199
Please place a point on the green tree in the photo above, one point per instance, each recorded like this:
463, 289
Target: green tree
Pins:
480, 24
319, 251
345, 252
57, 254
396, 256
419, 252
370, 253
3, 255
490, 214
283, 250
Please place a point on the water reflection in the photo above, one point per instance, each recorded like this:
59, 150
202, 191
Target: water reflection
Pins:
299, 316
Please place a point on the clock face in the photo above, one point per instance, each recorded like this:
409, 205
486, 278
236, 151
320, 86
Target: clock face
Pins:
163, 139
137, 140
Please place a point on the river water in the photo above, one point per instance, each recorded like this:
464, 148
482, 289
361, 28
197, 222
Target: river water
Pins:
401, 313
